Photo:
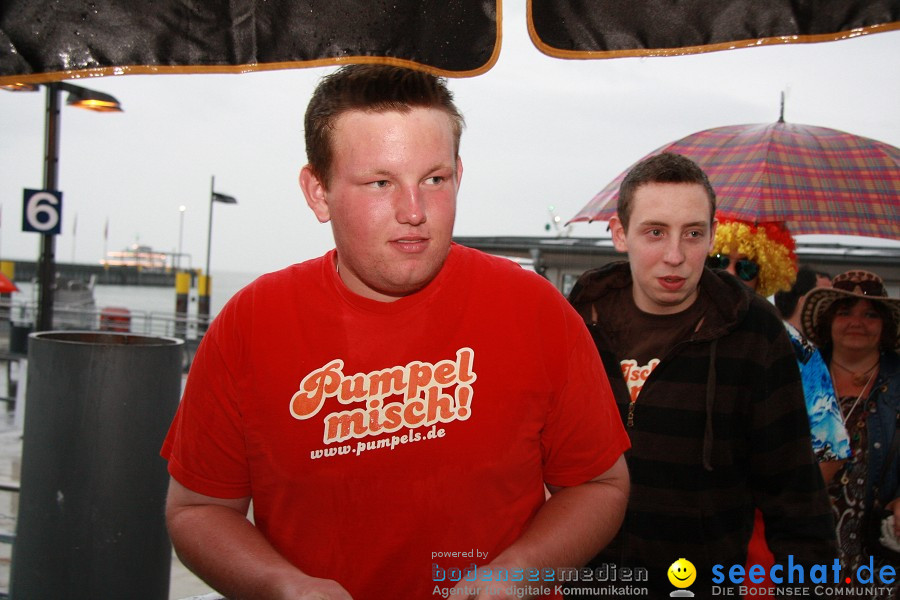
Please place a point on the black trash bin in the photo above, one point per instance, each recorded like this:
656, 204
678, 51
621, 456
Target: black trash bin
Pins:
91, 512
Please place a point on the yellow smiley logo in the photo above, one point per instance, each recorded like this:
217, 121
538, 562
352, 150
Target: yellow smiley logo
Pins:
682, 573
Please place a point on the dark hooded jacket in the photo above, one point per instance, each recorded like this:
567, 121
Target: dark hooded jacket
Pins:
720, 428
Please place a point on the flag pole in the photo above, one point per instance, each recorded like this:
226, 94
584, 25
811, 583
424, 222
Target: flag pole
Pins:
106, 244
74, 236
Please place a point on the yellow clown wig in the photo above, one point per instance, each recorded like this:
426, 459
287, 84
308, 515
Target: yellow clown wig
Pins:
770, 245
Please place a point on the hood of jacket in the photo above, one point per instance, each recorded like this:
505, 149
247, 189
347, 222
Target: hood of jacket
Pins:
727, 298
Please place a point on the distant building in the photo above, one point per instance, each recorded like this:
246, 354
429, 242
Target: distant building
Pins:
563, 259
143, 257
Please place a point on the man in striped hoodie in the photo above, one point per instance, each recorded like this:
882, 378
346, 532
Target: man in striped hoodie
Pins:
708, 387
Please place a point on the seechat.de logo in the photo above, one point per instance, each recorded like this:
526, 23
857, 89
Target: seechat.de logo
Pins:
681, 575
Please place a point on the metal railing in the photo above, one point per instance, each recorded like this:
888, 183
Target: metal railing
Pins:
20, 317
182, 325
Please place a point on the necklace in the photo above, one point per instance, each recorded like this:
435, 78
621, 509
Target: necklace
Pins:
858, 378
845, 418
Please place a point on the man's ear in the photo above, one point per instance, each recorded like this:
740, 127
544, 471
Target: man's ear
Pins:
618, 234
315, 193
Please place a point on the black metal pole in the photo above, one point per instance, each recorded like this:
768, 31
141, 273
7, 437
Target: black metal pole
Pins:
47, 261
204, 289
212, 188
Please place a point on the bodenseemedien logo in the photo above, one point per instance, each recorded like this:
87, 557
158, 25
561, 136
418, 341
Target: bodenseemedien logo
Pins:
681, 575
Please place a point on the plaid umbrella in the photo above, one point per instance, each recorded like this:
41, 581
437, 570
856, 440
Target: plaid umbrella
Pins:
816, 180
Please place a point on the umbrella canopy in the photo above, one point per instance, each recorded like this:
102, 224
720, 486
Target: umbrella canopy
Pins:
49, 40
814, 179
580, 29
7, 286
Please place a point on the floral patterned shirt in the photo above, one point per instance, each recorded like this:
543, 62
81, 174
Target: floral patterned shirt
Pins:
829, 436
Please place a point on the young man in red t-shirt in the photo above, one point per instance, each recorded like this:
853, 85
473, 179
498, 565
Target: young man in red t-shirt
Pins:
393, 424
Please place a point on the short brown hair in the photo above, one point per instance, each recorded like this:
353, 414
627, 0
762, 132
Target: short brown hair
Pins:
786, 301
375, 88
667, 167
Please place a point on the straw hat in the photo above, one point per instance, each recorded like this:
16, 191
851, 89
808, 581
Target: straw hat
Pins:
852, 284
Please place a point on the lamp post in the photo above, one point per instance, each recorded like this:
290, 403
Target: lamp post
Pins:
205, 287
82, 98
181, 209
46, 262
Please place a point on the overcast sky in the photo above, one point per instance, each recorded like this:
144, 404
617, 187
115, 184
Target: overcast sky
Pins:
541, 131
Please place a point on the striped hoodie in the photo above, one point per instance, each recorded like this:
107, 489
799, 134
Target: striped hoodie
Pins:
720, 429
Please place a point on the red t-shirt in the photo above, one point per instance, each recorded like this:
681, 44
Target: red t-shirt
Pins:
373, 436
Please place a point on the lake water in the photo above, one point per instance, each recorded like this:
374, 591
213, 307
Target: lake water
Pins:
146, 299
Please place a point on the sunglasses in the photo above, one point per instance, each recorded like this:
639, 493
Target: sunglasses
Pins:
745, 268
866, 287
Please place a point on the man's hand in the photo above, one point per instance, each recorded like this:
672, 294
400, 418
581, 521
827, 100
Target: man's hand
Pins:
215, 540
894, 506
569, 529
313, 588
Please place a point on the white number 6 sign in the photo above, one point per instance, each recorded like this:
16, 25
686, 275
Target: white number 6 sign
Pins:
42, 212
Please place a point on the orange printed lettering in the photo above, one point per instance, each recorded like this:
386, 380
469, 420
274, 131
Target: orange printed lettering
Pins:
431, 393
419, 376
444, 373
338, 425
393, 416
414, 412
636, 375
439, 402
314, 388
465, 356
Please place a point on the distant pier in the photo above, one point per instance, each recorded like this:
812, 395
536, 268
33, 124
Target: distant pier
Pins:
24, 270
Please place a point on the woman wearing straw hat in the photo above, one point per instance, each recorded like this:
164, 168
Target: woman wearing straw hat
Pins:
857, 326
